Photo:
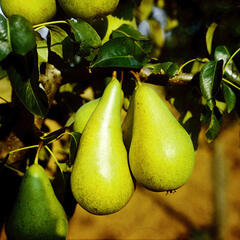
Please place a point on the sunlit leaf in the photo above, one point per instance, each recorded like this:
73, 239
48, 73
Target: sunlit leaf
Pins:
229, 97
5, 45
209, 36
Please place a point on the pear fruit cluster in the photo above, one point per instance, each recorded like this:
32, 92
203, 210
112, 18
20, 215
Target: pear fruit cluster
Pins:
161, 153
37, 213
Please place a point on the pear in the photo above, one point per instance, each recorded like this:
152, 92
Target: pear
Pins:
83, 114
37, 214
101, 181
34, 11
161, 154
127, 124
87, 9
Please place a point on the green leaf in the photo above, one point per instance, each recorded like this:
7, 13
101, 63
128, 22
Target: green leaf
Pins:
229, 97
42, 50
86, 35
23, 74
3, 73
123, 52
210, 79
214, 126
231, 72
126, 30
5, 45
209, 36
57, 36
168, 68
21, 34
52, 136
74, 142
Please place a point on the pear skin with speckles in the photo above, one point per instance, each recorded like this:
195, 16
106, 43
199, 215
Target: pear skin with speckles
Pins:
37, 213
161, 154
101, 181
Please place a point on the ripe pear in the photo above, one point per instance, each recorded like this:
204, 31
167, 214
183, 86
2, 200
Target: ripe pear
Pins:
161, 153
37, 214
83, 114
35, 11
86, 9
101, 181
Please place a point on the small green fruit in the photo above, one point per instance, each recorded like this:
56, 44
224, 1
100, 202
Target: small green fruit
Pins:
101, 181
37, 213
83, 114
161, 153
35, 11
86, 9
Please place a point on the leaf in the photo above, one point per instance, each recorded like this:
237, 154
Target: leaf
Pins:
214, 126
57, 36
74, 142
168, 68
210, 79
52, 136
231, 71
42, 50
229, 97
5, 45
21, 34
126, 30
86, 35
209, 37
23, 74
122, 52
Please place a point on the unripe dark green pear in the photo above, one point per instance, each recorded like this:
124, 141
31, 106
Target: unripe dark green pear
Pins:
161, 153
37, 213
101, 181
87, 9
35, 11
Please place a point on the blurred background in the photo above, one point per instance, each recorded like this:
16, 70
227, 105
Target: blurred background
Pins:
208, 205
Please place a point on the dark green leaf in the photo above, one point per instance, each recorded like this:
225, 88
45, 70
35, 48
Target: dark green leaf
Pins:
74, 142
168, 68
229, 96
58, 35
122, 52
231, 72
127, 30
5, 45
53, 135
21, 35
3, 73
85, 35
23, 74
214, 126
210, 79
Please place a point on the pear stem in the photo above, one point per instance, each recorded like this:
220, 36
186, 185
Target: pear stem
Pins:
114, 74
41, 25
19, 173
24, 148
137, 77
122, 77
37, 154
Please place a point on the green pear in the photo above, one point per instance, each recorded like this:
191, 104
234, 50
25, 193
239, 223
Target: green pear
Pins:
83, 114
37, 214
86, 9
127, 124
101, 181
35, 11
161, 153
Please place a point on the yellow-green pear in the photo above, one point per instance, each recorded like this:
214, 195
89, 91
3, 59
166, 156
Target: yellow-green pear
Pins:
101, 181
37, 213
35, 11
83, 114
87, 9
161, 153
127, 124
